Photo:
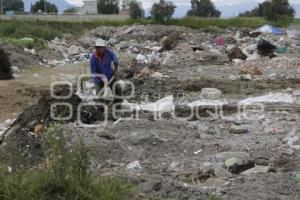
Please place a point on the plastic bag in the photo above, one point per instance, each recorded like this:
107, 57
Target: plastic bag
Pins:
108, 94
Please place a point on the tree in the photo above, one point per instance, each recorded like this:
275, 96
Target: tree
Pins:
14, 5
271, 10
71, 10
108, 7
162, 11
203, 8
136, 10
44, 6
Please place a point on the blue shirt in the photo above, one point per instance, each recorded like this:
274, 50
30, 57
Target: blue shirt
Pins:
103, 66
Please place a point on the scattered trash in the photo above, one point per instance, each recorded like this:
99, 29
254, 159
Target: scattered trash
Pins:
134, 168
163, 105
32, 51
265, 48
270, 29
220, 41
281, 50
210, 94
197, 152
293, 32
39, 129
159, 75
270, 98
252, 71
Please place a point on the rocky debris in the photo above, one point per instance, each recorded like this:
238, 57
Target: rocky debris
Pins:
169, 42
252, 71
179, 158
210, 93
235, 162
75, 49
258, 170
236, 53
237, 129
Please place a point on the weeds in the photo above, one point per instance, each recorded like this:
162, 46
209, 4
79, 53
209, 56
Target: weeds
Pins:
66, 175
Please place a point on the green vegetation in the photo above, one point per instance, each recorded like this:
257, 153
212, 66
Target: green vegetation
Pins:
162, 11
108, 7
26, 42
203, 8
48, 30
44, 6
136, 10
15, 5
65, 175
71, 10
272, 10
213, 197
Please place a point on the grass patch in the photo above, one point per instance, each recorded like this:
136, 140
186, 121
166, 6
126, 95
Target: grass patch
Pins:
48, 30
21, 29
66, 175
26, 42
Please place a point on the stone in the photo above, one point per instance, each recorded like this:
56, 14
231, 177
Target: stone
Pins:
246, 77
113, 41
135, 50
73, 50
220, 172
237, 129
236, 53
258, 170
235, 162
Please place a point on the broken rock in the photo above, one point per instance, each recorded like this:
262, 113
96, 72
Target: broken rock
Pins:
236, 162
236, 53
258, 170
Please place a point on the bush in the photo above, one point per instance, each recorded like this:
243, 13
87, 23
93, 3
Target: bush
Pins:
135, 10
5, 66
29, 43
21, 29
271, 10
162, 11
203, 8
72, 10
108, 6
169, 42
66, 175
40, 5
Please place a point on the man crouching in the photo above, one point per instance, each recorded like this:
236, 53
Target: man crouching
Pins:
104, 74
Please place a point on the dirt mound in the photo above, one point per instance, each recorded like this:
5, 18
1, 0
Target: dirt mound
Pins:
5, 66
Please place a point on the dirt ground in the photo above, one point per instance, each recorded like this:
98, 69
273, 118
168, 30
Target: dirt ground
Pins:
29, 86
252, 155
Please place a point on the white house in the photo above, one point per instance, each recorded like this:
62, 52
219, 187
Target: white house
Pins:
89, 7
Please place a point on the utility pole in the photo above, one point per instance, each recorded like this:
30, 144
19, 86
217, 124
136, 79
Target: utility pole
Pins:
45, 5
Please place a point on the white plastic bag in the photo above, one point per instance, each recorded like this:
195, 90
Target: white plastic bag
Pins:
107, 94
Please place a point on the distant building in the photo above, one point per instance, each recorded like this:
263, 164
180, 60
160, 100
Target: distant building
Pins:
89, 7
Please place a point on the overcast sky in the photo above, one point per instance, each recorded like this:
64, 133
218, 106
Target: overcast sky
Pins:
148, 3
